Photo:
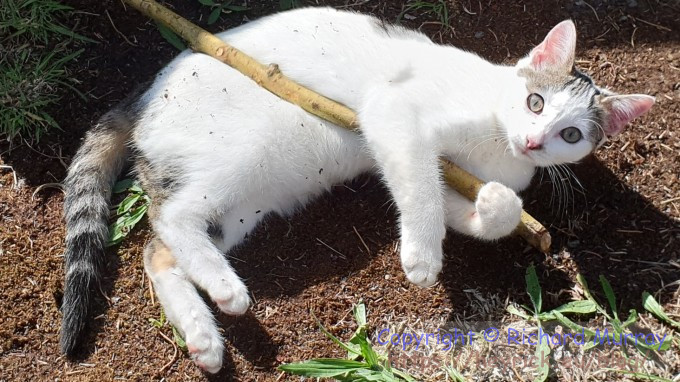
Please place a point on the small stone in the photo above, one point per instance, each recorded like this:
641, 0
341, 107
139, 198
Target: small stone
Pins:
479, 34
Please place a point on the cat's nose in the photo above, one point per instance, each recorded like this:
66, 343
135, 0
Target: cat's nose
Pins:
534, 144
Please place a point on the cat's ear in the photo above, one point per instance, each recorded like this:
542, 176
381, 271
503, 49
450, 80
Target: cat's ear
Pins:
621, 109
557, 49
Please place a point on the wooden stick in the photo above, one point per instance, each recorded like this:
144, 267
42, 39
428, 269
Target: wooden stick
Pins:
271, 78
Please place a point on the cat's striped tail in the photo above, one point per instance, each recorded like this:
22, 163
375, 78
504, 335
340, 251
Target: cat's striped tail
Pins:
88, 185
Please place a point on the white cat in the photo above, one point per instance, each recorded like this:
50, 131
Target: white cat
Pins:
217, 153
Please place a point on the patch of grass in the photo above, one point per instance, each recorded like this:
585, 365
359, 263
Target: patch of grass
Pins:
35, 53
285, 5
588, 306
28, 86
128, 212
220, 7
34, 21
438, 8
363, 363
217, 9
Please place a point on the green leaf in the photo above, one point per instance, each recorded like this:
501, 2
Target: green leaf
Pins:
214, 15
513, 310
403, 375
135, 188
136, 216
609, 292
579, 307
632, 318
323, 367
656, 347
127, 203
288, 4
359, 311
207, 2
454, 374
572, 325
542, 357
653, 307
534, 289
236, 8
179, 340
171, 37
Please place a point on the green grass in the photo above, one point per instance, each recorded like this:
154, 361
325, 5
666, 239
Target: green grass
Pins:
220, 7
285, 5
36, 50
363, 363
590, 306
438, 8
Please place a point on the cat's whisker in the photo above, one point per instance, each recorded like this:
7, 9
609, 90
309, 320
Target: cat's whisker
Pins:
597, 124
480, 143
477, 139
569, 188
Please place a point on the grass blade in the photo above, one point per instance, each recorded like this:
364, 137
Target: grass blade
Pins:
171, 37
534, 289
334, 338
578, 307
653, 307
542, 357
323, 367
611, 297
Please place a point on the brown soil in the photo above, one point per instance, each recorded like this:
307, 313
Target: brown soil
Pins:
625, 226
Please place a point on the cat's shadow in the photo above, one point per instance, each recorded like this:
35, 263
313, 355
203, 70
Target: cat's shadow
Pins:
284, 257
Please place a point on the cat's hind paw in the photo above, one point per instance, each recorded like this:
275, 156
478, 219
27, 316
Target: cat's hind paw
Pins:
206, 348
231, 297
499, 211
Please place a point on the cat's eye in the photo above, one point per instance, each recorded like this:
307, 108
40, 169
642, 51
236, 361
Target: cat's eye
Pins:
571, 134
535, 102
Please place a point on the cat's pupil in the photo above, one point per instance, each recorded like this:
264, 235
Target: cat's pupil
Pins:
571, 134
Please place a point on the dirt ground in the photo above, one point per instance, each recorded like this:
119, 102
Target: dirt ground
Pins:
625, 225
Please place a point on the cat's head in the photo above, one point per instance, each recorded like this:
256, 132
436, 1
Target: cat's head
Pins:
560, 115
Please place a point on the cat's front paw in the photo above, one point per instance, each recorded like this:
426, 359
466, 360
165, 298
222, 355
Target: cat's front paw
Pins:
422, 266
499, 211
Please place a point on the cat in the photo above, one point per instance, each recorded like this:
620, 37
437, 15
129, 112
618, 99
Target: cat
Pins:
217, 153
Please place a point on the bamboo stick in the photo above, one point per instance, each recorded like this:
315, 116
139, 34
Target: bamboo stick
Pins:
271, 78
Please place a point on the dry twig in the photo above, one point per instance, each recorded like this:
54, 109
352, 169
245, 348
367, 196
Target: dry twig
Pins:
271, 78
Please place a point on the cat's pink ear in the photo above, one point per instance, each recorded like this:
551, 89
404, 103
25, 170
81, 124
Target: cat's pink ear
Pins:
557, 49
621, 109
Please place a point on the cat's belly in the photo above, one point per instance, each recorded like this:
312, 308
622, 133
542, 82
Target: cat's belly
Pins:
240, 142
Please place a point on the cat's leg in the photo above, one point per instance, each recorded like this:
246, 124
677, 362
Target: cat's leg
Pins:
495, 213
409, 163
182, 225
184, 307
236, 224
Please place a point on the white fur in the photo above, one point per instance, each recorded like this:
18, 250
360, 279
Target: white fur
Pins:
243, 153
